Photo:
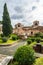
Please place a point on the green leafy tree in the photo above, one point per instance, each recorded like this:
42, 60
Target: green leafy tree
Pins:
24, 56
0, 22
7, 28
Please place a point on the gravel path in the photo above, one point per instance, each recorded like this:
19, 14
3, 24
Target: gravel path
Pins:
10, 50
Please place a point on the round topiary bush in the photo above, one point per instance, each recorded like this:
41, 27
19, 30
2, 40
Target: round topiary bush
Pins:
33, 39
37, 34
29, 41
2, 35
39, 61
24, 55
38, 39
15, 37
4, 39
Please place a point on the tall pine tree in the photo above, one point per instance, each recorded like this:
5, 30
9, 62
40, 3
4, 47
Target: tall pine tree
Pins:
0, 22
6, 28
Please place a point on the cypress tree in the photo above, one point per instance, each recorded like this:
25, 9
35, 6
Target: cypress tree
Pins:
6, 28
0, 22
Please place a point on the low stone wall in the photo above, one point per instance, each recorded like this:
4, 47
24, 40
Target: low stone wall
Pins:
38, 48
6, 60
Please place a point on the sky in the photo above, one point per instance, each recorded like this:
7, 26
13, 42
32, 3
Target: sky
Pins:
23, 11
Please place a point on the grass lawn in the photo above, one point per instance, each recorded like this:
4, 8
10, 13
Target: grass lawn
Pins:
42, 43
8, 42
33, 43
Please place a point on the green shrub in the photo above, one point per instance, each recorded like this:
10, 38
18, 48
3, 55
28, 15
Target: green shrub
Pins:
24, 55
31, 45
2, 35
4, 39
37, 34
41, 35
15, 63
39, 61
38, 39
33, 39
15, 37
29, 42
29, 38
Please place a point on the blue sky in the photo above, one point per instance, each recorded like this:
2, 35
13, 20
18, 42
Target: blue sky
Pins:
23, 11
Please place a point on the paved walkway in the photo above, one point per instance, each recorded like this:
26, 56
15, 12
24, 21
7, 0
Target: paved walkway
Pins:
38, 55
4, 59
10, 50
7, 52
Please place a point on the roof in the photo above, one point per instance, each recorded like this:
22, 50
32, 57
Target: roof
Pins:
18, 24
35, 27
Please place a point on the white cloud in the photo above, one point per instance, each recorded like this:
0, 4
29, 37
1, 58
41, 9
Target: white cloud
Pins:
30, 10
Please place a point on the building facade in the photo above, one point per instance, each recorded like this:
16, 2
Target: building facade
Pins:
25, 31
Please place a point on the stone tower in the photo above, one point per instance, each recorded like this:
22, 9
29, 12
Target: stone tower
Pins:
36, 23
18, 25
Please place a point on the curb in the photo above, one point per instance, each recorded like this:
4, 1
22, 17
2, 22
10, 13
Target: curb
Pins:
9, 44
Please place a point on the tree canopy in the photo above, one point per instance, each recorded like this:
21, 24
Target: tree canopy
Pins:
7, 27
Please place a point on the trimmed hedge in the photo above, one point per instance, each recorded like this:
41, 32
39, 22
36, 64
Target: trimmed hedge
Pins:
4, 39
39, 61
29, 42
15, 37
24, 55
38, 39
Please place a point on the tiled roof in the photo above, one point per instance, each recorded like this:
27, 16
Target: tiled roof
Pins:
35, 27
